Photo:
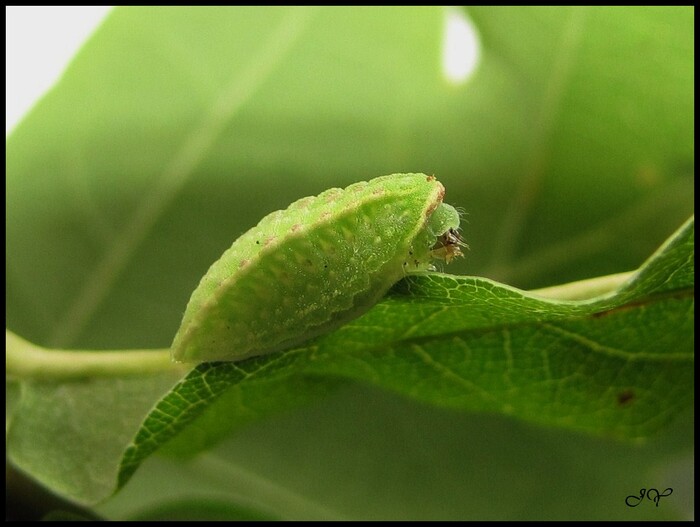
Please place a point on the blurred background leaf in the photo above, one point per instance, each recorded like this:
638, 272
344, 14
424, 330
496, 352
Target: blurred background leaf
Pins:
176, 129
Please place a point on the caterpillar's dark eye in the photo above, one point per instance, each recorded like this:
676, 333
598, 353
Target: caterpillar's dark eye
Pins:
449, 246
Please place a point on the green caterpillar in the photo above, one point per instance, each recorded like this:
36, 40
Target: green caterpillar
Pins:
306, 270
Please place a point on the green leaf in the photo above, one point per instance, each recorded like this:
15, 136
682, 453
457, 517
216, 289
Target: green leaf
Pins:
202, 509
365, 454
571, 148
71, 436
473, 344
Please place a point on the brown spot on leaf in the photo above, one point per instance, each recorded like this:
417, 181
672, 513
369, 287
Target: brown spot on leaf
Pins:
625, 397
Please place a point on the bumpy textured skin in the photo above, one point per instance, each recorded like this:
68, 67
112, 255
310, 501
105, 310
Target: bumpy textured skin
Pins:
306, 270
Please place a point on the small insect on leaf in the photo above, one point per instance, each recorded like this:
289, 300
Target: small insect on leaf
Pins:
306, 270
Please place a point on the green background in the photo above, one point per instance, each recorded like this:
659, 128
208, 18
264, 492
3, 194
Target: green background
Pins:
176, 129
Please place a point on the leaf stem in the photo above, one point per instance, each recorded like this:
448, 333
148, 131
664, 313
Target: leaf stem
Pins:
585, 289
24, 360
